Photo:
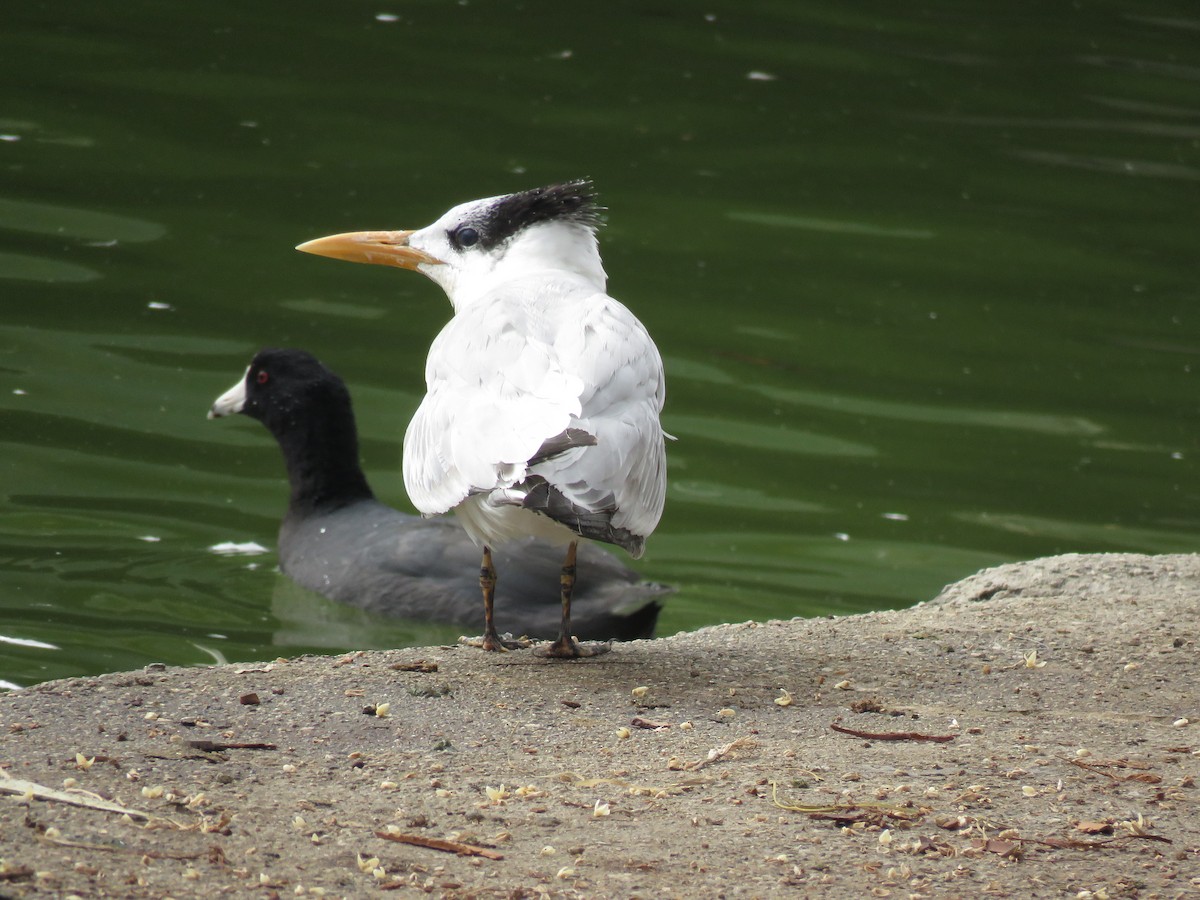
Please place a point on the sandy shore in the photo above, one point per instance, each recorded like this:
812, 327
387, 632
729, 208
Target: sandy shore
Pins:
1034, 732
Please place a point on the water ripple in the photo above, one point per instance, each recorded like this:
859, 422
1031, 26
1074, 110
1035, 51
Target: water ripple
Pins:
730, 497
1107, 126
830, 226
19, 267
1143, 66
79, 224
1088, 535
1041, 423
1111, 165
765, 438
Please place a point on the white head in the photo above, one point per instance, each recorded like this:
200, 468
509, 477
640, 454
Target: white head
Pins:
479, 244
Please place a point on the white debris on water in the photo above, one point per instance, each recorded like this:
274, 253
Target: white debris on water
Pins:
230, 548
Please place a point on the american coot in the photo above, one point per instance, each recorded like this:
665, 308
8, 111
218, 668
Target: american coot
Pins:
541, 416
338, 540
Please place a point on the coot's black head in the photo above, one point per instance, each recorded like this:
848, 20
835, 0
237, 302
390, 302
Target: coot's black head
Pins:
308, 410
280, 387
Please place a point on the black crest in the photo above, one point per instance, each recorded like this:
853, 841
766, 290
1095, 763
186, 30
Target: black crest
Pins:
573, 201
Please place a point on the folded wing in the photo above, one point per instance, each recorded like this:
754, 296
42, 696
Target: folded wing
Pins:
553, 407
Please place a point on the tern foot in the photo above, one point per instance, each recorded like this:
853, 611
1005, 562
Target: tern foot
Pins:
569, 648
494, 643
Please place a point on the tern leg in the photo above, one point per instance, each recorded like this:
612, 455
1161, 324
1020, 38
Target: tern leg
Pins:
487, 583
566, 645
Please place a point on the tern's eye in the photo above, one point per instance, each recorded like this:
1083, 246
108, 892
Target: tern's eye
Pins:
466, 236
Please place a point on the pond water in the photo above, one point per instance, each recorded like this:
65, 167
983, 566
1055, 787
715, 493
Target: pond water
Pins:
925, 280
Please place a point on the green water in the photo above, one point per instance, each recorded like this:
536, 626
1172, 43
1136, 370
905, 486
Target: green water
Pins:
925, 280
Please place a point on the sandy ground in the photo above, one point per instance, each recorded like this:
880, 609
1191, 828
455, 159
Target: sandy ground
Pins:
1062, 693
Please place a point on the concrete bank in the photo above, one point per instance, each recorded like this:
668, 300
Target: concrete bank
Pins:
1034, 731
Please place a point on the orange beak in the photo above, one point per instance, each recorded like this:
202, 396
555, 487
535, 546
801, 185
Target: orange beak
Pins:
384, 248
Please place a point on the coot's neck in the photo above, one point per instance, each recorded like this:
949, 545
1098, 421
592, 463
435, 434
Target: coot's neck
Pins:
321, 453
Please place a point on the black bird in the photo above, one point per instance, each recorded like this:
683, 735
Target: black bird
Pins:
338, 540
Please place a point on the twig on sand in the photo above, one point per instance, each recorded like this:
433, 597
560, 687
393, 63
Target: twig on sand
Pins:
718, 753
439, 844
1098, 766
10, 785
848, 811
218, 746
1007, 847
892, 735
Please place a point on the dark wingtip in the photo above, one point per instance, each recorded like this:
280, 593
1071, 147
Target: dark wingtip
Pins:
561, 443
544, 498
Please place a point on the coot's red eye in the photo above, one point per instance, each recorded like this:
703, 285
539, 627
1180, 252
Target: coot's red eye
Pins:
263, 377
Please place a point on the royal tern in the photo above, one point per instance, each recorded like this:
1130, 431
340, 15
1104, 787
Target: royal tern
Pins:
541, 415
338, 540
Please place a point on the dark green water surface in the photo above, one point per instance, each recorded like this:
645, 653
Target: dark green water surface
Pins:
925, 278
